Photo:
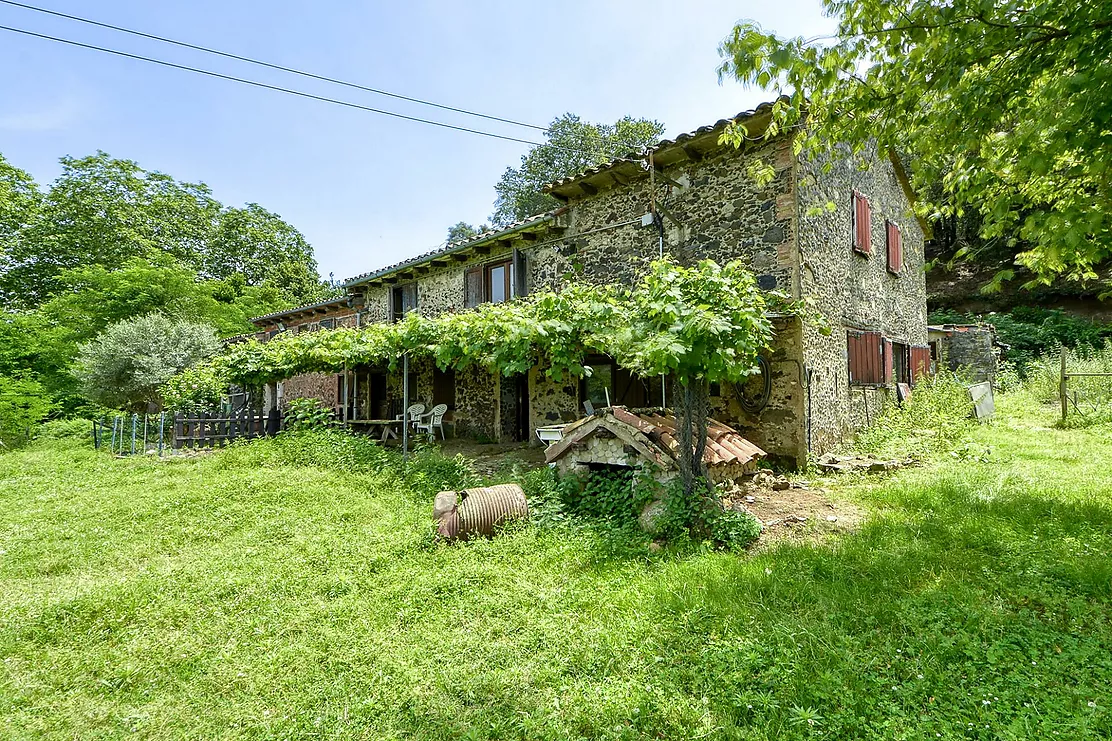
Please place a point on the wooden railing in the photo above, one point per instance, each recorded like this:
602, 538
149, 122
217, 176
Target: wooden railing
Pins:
212, 431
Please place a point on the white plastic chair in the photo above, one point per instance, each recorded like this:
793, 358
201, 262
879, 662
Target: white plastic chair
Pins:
432, 421
412, 415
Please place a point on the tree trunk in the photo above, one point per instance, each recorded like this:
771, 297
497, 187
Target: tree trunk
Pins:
691, 408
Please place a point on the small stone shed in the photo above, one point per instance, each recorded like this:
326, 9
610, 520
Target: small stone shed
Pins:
617, 437
972, 347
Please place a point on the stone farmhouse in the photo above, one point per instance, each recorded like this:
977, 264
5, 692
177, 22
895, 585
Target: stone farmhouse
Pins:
835, 231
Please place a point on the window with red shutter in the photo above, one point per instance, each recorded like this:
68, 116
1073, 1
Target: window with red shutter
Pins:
862, 224
866, 358
920, 362
895, 247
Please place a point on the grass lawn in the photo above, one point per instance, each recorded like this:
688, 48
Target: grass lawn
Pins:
241, 595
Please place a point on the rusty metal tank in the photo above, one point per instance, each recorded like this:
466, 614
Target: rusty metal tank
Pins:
464, 514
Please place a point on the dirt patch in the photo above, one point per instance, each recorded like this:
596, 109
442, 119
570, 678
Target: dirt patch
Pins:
796, 513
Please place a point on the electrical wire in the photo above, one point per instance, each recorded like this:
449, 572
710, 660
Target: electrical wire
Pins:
270, 65
277, 88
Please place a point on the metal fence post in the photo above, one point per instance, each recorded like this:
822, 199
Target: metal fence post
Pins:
1063, 391
161, 427
134, 424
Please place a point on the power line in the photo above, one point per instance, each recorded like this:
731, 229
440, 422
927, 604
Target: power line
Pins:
277, 88
271, 65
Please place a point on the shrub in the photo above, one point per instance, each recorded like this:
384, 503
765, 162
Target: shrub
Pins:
194, 390
933, 420
331, 449
68, 431
428, 471
127, 364
615, 495
303, 415
24, 403
732, 530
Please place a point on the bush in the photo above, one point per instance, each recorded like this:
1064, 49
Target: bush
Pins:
934, 420
732, 530
195, 390
24, 403
127, 364
304, 415
428, 471
329, 449
616, 495
69, 431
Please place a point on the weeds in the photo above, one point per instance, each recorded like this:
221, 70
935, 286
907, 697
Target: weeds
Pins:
934, 420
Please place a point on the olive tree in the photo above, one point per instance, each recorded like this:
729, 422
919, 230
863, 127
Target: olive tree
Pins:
125, 366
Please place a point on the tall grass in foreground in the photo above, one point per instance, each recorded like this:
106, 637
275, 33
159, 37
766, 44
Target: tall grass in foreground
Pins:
287, 589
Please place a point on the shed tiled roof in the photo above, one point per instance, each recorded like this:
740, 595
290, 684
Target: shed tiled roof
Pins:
340, 302
664, 144
487, 236
656, 430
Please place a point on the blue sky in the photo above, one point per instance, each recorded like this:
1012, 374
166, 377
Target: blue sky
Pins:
366, 190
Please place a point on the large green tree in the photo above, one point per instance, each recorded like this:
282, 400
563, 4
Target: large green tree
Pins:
571, 145
104, 211
20, 200
1004, 105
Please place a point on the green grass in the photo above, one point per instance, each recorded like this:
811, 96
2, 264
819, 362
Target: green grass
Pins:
235, 596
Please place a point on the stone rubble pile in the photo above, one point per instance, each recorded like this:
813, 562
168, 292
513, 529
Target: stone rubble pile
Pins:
831, 463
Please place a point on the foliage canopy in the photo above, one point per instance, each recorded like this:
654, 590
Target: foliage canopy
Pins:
1004, 103
103, 211
571, 145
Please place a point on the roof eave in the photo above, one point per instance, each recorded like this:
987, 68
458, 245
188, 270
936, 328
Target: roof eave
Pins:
532, 223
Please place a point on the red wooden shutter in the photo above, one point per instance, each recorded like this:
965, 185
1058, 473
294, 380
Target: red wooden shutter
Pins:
473, 288
920, 362
866, 351
887, 347
862, 224
895, 247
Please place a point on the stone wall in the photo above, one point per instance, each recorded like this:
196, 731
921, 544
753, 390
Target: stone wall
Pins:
970, 348
722, 214
320, 386
782, 231
477, 409
854, 291
780, 428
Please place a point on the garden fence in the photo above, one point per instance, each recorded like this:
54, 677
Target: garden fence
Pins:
136, 434
1088, 393
217, 430
132, 434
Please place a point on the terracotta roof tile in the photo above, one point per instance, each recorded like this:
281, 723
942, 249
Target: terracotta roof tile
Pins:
725, 445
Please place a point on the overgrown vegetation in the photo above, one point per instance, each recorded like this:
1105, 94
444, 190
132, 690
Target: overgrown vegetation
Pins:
24, 403
289, 588
936, 419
